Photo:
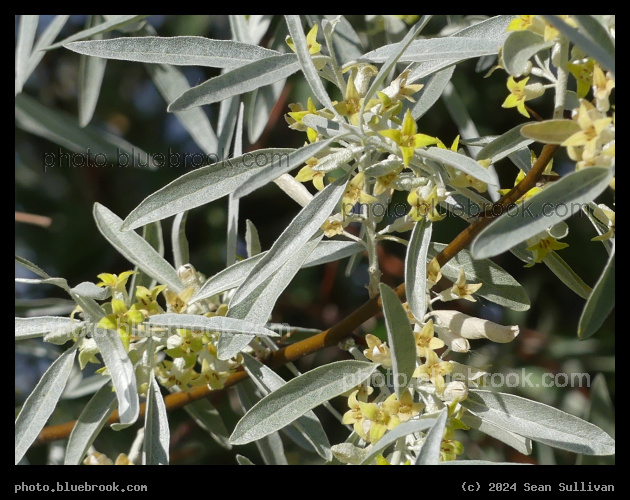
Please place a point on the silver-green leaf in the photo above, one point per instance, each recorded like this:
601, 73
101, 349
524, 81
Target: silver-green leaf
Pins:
136, 249
416, 268
42, 402
157, 435
540, 422
600, 302
432, 446
238, 81
298, 396
401, 340
546, 208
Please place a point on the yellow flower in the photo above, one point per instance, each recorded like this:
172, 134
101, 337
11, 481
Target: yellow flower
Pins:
384, 182
434, 369
399, 89
307, 173
517, 96
355, 416
426, 340
334, 225
602, 86
433, 272
424, 203
450, 448
146, 300
354, 193
460, 290
311, 41
543, 247
461, 179
520, 23
594, 132
122, 320
351, 105
408, 139
377, 351
97, 458
583, 73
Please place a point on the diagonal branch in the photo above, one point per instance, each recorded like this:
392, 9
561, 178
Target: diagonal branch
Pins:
336, 333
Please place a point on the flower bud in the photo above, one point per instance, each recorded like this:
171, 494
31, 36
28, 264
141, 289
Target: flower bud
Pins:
476, 328
455, 391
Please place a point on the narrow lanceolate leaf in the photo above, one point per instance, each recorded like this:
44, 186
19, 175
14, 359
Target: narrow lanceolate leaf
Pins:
307, 425
504, 145
519, 443
109, 25
596, 32
433, 87
281, 165
157, 435
416, 268
64, 130
431, 49
259, 108
558, 266
600, 302
301, 394
491, 29
270, 447
123, 376
89, 424
392, 59
540, 422
552, 205
498, 285
171, 83
45, 39
257, 306
306, 61
238, 81
252, 241
42, 402
29, 328
202, 186
519, 48
213, 324
601, 412
401, 340
152, 233
390, 437
460, 162
181, 254
209, 419
136, 249
91, 71
177, 50
242, 460
430, 451
297, 233
232, 277
26, 36
591, 47
550, 131
91, 291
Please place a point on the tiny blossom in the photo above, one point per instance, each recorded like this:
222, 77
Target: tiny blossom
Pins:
334, 225
97, 458
434, 369
520, 92
399, 89
424, 202
596, 130
311, 41
460, 290
307, 173
583, 73
433, 272
426, 340
602, 87
354, 193
542, 247
377, 351
408, 139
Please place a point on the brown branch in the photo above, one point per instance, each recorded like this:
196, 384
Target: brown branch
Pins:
36, 220
345, 327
